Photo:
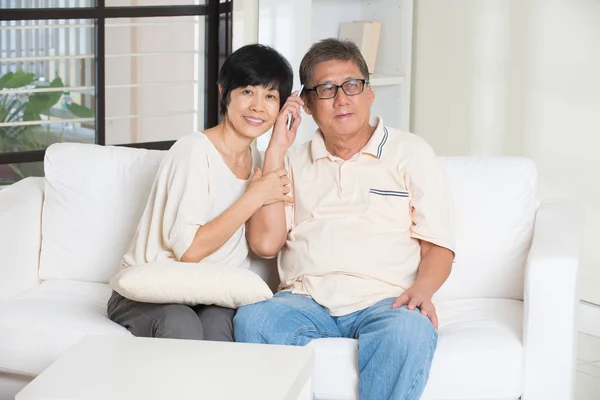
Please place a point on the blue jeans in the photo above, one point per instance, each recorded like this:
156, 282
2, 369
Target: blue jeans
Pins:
395, 346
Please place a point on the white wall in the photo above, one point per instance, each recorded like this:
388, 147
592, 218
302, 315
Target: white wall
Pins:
285, 25
517, 77
292, 26
245, 23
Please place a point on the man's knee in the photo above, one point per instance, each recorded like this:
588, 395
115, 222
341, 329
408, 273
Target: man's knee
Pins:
410, 329
177, 321
286, 319
248, 320
271, 321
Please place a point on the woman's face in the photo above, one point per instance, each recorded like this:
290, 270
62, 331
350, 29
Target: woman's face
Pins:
252, 110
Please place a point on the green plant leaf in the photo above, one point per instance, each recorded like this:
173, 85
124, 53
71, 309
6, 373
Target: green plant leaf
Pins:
3, 113
80, 111
57, 82
30, 113
41, 102
5, 79
55, 96
20, 79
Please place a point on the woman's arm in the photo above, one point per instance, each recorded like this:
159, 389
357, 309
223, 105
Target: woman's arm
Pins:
209, 237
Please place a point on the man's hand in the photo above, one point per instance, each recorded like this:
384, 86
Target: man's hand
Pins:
434, 268
417, 297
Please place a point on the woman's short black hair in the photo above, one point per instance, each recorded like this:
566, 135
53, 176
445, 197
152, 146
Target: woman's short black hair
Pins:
255, 65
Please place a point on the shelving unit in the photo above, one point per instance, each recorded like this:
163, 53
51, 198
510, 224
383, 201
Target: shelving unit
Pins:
291, 26
385, 79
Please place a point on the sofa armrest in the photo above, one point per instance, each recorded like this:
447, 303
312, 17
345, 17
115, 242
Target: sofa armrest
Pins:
20, 236
550, 302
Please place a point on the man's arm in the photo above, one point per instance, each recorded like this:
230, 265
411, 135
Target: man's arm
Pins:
432, 214
266, 230
434, 269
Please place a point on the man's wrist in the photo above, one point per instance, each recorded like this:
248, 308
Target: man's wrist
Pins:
424, 288
275, 153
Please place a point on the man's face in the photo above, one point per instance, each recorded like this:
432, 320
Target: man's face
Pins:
342, 115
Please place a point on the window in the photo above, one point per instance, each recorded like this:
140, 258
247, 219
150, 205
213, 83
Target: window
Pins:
107, 72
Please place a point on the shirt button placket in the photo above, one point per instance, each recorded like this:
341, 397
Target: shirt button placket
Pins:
346, 180
340, 181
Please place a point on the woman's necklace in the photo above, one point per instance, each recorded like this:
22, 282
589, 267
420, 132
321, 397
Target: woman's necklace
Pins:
233, 160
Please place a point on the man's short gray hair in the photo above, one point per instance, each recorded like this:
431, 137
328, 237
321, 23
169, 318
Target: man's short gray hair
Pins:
329, 50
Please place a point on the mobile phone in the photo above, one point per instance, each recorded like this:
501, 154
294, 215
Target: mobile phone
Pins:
290, 118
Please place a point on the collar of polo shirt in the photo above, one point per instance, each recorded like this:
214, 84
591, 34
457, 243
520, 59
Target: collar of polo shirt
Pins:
374, 146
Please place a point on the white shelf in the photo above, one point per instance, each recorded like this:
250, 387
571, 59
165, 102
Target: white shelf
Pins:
292, 26
377, 79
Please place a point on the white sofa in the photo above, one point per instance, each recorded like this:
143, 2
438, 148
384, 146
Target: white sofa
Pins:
506, 313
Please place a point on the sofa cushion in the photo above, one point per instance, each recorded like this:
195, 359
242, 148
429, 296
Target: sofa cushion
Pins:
479, 340
188, 283
94, 199
480, 343
495, 202
38, 326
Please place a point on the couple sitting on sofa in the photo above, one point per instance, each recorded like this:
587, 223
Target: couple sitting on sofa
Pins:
361, 218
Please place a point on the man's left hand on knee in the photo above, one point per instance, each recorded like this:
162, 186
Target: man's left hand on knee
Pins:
417, 297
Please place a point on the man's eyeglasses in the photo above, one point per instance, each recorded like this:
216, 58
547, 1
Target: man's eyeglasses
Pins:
351, 87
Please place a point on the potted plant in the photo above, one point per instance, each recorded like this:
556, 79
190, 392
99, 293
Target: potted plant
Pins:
22, 107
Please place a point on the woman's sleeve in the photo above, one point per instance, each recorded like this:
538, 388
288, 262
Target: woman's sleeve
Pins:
188, 199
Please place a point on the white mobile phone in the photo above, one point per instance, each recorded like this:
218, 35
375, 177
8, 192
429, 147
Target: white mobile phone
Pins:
290, 119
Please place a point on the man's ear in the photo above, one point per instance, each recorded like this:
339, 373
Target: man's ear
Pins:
371, 95
306, 106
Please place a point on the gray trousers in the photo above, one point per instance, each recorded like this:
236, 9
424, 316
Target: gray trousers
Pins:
175, 321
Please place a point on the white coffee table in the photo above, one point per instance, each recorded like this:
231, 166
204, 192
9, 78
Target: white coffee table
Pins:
119, 368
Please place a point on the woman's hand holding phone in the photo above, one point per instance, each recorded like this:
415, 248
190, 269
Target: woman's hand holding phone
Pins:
284, 132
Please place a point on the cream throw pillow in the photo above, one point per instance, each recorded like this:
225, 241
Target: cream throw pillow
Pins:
191, 284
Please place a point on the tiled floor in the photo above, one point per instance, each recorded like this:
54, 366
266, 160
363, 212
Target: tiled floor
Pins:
588, 368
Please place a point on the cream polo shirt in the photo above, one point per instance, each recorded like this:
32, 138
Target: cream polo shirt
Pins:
354, 225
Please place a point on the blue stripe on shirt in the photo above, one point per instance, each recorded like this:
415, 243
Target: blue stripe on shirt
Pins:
388, 193
380, 147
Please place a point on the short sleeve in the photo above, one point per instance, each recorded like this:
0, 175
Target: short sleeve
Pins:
188, 197
289, 207
431, 200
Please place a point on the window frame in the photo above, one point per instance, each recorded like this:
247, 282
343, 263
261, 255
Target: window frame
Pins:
215, 11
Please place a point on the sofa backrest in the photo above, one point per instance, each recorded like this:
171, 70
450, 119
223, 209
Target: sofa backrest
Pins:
94, 199
95, 196
495, 202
